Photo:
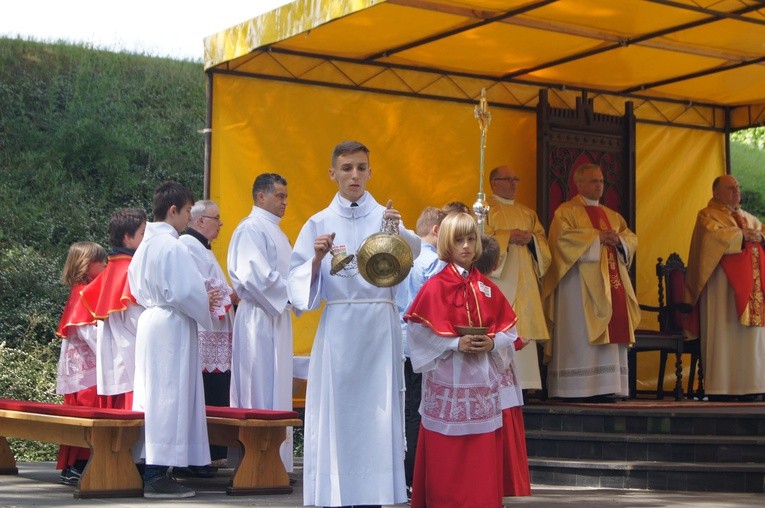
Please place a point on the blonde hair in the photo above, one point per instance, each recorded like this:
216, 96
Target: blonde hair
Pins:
78, 260
429, 217
457, 224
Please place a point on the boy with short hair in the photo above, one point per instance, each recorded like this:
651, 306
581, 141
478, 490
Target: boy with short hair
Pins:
109, 299
168, 377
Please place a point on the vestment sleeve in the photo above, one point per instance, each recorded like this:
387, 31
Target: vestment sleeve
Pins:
304, 290
184, 286
426, 347
412, 239
251, 273
504, 347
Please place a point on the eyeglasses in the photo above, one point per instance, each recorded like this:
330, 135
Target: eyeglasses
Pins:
216, 217
507, 179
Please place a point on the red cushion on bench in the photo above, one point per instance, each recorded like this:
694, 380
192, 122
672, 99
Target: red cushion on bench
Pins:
250, 414
48, 408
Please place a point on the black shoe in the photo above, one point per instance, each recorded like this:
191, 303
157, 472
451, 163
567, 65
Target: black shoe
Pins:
166, 488
70, 476
194, 472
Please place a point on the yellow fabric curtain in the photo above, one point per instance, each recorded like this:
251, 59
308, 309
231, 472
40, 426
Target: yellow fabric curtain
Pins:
426, 152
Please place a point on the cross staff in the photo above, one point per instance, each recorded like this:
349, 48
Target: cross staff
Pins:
482, 114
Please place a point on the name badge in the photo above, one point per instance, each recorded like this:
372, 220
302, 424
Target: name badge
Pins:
483, 288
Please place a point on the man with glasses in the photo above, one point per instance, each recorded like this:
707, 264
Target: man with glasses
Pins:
215, 343
524, 259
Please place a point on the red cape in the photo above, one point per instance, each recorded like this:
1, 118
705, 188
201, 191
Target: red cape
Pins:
110, 291
75, 314
447, 300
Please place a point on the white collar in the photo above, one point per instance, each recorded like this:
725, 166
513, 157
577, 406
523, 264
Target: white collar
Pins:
590, 202
504, 200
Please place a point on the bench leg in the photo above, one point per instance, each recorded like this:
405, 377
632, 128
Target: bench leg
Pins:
261, 470
110, 472
7, 460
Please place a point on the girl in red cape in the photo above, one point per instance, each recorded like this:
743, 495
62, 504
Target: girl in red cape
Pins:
465, 377
76, 379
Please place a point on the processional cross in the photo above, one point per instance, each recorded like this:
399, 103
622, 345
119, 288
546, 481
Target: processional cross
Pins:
482, 114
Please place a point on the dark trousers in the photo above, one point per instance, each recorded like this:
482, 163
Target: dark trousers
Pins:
217, 394
413, 383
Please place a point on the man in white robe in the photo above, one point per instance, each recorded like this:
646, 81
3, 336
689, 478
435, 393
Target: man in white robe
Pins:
524, 259
354, 439
725, 279
258, 264
168, 377
592, 304
215, 342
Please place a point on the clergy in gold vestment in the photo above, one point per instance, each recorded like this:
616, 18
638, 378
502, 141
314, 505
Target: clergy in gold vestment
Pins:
724, 277
589, 295
524, 259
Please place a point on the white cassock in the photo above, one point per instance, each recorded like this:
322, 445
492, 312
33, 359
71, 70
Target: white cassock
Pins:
354, 438
261, 368
168, 377
215, 342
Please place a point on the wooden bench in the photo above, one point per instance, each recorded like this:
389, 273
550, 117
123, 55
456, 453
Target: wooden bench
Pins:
258, 433
108, 433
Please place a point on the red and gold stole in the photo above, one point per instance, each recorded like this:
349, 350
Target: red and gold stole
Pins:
618, 327
744, 273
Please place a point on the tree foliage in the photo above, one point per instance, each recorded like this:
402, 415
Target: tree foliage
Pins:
82, 133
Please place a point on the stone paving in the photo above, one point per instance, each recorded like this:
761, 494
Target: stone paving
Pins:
36, 485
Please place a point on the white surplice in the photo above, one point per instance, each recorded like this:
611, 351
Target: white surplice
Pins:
116, 351
215, 342
354, 438
168, 378
261, 370
77, 360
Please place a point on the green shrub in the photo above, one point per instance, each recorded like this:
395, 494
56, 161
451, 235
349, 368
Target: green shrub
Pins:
30, 375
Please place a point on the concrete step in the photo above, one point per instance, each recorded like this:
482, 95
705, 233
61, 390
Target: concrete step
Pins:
654, 447
651, 475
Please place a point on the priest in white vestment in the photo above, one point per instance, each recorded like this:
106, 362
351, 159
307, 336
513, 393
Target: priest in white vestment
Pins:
168, 377
725, 277
258, 264
591, 302
524, 259
354, 438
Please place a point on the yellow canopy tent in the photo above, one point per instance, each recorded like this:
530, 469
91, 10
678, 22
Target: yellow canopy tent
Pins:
403, 76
